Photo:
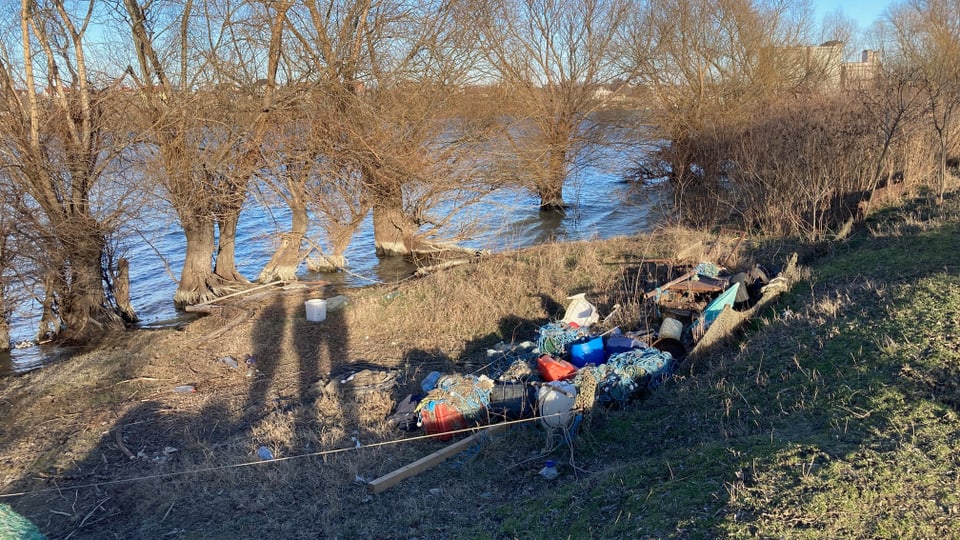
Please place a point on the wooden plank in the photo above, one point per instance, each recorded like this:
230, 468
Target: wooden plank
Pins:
641, 260
664, 287
695, 286
427, 462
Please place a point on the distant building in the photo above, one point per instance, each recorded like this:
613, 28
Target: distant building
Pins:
867, 69
602, 93
822, 67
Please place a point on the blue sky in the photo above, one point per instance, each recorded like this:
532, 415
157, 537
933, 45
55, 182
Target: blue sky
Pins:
865, 12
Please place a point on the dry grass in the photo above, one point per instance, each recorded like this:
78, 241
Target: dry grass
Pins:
71, 425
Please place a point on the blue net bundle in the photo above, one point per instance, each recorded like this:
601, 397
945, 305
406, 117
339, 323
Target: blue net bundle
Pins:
627, 373
467, 394
555, 338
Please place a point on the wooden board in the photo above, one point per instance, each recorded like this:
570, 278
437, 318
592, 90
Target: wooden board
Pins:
663, 287
695, 286
427, 462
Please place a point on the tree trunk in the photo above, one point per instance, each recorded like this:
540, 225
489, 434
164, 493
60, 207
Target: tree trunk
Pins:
4, 334
550, 189
226, 263
198, 283
4, 324
49, 322
286, 259
84, 310
339, 236
121, 292
551, 197
392, 230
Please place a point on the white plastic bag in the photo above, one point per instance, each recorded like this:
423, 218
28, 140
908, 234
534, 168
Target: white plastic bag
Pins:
580, 311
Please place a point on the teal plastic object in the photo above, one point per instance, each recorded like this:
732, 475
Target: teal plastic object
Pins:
726, 298
13, 525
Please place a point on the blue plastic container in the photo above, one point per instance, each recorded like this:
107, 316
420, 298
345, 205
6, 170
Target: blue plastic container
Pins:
621, 344
430, 381
588, 352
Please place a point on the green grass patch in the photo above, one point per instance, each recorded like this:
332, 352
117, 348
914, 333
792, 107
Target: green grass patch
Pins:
837, 417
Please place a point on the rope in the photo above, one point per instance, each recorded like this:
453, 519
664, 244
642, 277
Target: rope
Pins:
554, 337
707, 269
626, 373
160, 476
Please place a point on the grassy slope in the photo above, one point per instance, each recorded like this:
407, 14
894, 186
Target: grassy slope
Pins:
835, 417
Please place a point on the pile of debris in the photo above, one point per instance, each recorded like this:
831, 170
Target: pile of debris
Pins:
570, 368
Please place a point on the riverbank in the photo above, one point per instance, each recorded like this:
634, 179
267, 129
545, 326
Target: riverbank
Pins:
834, 416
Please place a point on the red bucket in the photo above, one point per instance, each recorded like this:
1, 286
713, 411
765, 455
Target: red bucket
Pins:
442, 418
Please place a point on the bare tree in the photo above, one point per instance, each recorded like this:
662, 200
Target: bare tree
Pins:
556, 63
793, 164
304, 178
7, 268
895, 105
707, 64
203, 122
837, 26
378, 76
928, 39
57, 148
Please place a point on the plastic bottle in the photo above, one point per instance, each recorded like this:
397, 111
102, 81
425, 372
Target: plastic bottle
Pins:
185, 389
229, 361
430, 381
549, 470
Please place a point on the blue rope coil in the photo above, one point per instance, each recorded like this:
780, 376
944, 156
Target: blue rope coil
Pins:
626, 373
554, 338
707, 269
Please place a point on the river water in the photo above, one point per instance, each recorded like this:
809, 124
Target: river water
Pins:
602, 206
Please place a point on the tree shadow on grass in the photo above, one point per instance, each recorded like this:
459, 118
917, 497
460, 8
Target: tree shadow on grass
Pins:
511, 330
165, 471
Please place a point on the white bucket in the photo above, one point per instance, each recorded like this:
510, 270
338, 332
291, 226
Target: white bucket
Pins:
316, 310
555, 401
671, 328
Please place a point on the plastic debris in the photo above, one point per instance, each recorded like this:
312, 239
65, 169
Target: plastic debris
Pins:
549, 470
430, 381
264, 453
337, 302
555, 401
228, 361
580, 311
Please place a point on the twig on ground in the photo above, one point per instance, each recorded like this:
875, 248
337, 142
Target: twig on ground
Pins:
118, 438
